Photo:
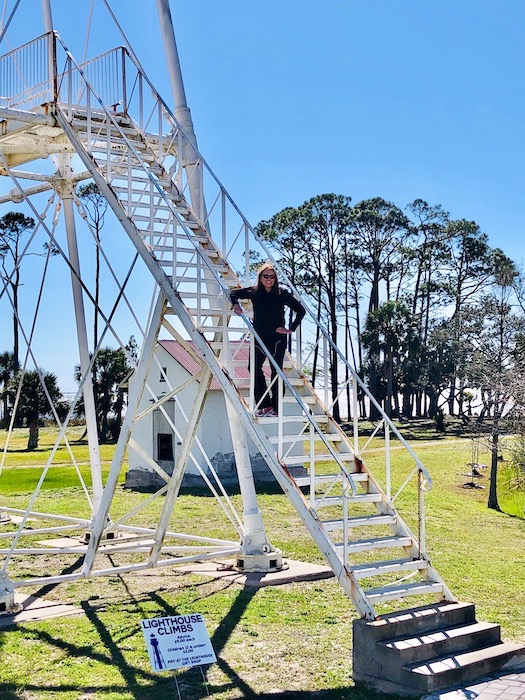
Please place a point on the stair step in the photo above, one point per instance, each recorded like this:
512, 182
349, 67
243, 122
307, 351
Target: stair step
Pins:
215, 313
421, 619
327, 457
321, 418
179, 248
305, 481
360, 521
441, 642
152, 198
194, 265
119, 144
210, 328
120, 141
193, 280
121, 158
180, 238
244, 383
190, 296
154, 218
324, 458
146, 232
162, 177
157, 211
376, 595
376, 543
331, 437
99, 116
310, 400
339, 500
389, 566
145, 189
449, 670
103, 130
292, 419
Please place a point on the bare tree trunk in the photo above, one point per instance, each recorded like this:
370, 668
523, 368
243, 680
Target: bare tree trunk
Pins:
32, 442
493, 488
16, 342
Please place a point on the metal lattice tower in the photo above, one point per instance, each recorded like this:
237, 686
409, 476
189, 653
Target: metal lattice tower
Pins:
171, 250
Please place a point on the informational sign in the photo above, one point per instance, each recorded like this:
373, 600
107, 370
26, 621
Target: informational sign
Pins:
177, 641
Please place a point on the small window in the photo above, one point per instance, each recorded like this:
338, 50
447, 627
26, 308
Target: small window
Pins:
163, 374
165, 447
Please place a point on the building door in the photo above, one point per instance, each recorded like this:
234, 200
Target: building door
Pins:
164, 438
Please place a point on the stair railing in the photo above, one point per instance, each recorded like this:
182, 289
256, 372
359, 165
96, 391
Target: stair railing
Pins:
145, 107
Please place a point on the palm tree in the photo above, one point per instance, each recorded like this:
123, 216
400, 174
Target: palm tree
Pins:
6, 372
110, 370
13, 225
389, 339
33, 402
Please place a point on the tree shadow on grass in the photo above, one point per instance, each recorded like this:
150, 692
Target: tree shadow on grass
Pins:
143, 685
136, 682
190, 681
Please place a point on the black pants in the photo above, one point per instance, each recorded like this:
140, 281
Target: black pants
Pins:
276, 345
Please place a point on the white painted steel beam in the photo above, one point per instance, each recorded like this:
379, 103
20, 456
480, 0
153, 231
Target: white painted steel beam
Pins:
135, 394
65, 190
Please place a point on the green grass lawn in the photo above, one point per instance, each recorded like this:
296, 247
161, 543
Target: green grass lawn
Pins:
292, 641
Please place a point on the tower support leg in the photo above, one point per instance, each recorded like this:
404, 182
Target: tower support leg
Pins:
258, 554
7, 595
64, 188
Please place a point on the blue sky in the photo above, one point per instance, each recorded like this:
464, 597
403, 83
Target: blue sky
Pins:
294, 98
400, 99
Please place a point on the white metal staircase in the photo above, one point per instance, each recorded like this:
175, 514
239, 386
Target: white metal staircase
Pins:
133, 150
349, 515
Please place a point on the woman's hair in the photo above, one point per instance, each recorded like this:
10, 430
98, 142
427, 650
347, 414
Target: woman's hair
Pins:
258, 286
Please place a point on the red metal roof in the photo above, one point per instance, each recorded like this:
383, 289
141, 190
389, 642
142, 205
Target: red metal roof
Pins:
239, 349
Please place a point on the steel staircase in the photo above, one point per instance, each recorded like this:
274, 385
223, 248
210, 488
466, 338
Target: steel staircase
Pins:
367, 519
372, 551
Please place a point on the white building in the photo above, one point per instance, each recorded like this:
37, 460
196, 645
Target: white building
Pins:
156, 439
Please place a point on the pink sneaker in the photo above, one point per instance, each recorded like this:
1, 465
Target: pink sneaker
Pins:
262, 412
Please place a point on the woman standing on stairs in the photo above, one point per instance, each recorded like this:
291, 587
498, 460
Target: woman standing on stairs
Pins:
269, 302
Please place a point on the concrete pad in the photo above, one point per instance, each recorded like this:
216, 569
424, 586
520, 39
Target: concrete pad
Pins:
79, 544
291, 572
9, 518
294, 571
33, 609
65, 542
510, 686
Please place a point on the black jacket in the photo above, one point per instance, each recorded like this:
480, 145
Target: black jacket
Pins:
269, 309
